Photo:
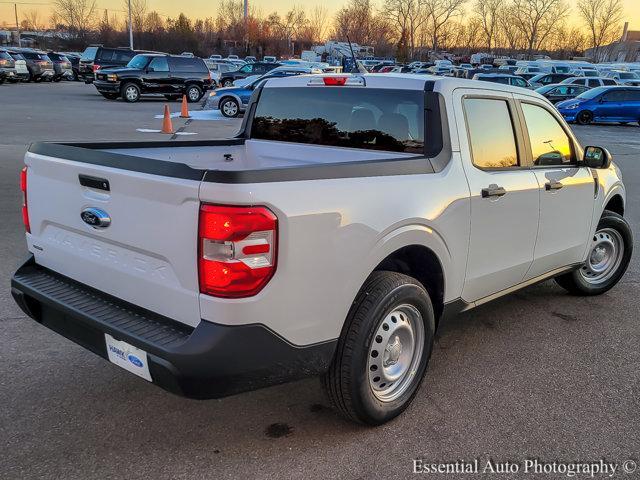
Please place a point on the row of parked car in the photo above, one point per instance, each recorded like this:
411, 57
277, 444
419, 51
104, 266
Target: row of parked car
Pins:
30, 65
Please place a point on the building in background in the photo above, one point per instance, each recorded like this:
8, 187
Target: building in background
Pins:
627, 49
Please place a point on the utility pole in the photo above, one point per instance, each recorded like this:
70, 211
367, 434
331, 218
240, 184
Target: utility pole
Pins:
130, 28
15, 9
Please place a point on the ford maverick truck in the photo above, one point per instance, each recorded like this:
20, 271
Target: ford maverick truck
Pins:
347, 219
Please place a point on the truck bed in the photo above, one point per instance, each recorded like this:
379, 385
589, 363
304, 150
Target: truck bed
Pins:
238, 160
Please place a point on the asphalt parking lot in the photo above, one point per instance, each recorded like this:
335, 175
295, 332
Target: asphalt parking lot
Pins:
538, 374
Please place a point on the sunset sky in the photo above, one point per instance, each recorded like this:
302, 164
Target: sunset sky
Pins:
208, 8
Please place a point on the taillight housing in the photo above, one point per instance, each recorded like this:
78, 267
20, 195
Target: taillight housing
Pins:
25, 209
237, 250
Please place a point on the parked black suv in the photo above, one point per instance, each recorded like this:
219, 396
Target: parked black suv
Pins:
257, 68
170, 75
96, 57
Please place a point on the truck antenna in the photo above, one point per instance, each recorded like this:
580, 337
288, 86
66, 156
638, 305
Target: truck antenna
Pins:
357, 64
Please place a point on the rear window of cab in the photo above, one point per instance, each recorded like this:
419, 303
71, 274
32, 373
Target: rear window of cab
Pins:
365, 118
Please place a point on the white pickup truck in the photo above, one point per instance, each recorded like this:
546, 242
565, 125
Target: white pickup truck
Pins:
349, 217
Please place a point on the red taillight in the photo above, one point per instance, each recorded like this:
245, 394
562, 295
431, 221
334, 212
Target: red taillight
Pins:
335, 81
237, 250
95, 67
25, 209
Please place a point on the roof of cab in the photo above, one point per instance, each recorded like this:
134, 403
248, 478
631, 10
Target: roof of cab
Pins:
406, 81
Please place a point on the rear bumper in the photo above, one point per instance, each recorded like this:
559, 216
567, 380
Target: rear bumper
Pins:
208, 361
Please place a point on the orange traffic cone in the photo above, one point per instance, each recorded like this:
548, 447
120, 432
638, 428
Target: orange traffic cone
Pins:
167, 126
185, 108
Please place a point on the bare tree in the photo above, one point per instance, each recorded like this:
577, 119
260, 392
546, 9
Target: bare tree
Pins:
537, 19
488, 12
32, 21
602, 18
440, 12
139, 11
77, 15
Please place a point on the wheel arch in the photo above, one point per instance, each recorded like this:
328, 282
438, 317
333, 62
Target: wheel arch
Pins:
615, 204
422, 263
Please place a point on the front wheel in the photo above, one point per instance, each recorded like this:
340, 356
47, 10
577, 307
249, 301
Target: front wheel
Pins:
609, 255
227, 82
383, 351
584, 117
230, 108
130, 92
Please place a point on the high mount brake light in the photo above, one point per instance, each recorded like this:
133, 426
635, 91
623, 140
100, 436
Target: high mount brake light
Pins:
237, 249
338, 81
25, 209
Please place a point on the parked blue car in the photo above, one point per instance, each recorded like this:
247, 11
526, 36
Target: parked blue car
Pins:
619, 104
232, 101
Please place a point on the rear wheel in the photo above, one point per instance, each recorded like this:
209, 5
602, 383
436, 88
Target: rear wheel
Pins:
193, 93
227, 82
37, 79
57, 79
229, 107
383, 351
609, 255
584, 118
130, 92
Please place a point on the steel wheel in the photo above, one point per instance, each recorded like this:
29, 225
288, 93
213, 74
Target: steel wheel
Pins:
605, 256
395, 353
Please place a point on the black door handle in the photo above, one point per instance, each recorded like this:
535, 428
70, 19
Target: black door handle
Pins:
493, 190
553, 186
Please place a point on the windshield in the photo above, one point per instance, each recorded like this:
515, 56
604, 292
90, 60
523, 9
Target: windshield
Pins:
89, 54
593, 93
138, 62
366, 118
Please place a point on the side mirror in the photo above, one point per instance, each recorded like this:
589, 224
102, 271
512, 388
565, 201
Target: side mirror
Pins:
597, 157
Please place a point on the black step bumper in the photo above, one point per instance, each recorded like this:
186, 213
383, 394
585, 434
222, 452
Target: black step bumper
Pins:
208, 361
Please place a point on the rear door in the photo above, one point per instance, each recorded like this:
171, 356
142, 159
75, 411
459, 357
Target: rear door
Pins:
148, 253
504, 194
610, 106
566, 189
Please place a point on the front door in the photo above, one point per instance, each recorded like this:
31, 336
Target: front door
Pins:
567, 191
504, 195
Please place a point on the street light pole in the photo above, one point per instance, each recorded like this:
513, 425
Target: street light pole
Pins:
15, 9
130, 28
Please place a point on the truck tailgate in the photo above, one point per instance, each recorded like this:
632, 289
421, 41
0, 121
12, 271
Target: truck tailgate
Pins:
148, 253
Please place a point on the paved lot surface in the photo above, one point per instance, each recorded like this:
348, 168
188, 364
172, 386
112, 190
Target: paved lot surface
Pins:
538, 374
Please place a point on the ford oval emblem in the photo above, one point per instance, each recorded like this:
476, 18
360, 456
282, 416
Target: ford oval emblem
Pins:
135, 360
95, 217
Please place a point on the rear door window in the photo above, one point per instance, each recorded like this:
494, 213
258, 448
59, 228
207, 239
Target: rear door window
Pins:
355, 117
615, 96
159, 64
106, 54
123, 56
609, 81
187, 65
594, 83
493, 147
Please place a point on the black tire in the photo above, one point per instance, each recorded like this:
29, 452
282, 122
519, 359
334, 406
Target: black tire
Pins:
130, 92
194, 93
348, 383
229, 107
584, 118
37, 79
227, 82
577, 282
57, 79
2, 80
109, 96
